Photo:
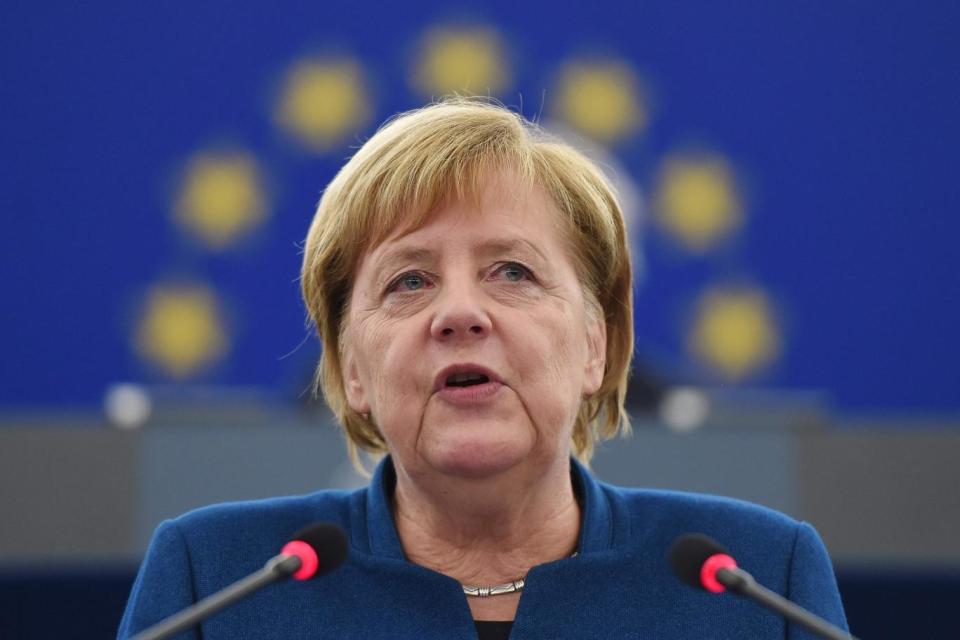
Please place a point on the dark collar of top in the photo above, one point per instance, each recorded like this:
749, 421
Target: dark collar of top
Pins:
493, 630
381, 538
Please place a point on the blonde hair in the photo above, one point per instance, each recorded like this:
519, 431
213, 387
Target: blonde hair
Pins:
423, 158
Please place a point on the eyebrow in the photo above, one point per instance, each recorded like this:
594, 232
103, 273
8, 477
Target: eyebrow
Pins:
490, 247
513, 245
400, 256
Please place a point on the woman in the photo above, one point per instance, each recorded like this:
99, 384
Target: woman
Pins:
470, 282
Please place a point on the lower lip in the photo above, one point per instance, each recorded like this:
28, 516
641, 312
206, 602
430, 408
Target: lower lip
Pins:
474, 394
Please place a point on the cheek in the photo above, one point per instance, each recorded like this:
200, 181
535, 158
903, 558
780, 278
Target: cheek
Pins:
387, 366
557, 344
550, 358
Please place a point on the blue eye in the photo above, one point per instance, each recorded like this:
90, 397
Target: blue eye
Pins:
412, 281
408, 282
515, 272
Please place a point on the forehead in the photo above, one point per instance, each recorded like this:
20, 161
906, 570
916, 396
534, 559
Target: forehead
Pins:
505, 216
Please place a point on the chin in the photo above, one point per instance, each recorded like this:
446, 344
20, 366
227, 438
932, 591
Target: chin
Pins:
477, 458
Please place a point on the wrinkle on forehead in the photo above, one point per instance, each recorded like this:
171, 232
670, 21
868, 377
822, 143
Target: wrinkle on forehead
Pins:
483, 186
500, 190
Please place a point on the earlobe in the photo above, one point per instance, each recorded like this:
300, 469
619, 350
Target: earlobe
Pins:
356, 395
596, 355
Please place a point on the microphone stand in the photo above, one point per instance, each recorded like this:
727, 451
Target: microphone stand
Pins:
742, 583
277, 568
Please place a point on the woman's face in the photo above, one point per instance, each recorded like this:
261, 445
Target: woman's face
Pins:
469, 339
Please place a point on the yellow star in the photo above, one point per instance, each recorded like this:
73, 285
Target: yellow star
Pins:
221, 197
734, 332
696, 201
603, 99
461, 60
181, 330
323, 102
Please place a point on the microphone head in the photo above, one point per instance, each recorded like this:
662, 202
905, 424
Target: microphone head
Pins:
325, 542
688, 554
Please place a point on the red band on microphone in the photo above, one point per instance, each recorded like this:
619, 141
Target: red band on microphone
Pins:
309, 562
708, 572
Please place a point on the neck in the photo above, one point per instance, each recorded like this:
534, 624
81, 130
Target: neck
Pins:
488, 531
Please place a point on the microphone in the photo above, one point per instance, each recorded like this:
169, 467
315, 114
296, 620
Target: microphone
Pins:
703, 563
314, 551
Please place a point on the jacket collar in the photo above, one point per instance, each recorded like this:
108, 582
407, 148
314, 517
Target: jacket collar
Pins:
596, 526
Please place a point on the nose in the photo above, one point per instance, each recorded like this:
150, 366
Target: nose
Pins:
460, 314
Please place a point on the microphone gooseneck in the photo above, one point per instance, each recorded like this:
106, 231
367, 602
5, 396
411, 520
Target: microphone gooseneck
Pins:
703, 563
314, 551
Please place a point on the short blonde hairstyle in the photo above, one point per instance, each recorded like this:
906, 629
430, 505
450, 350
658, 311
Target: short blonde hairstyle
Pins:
423, 158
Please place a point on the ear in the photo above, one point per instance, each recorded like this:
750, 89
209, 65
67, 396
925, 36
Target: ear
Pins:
596, 353
353, 385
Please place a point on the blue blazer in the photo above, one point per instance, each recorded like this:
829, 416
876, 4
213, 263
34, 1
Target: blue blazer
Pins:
618, 586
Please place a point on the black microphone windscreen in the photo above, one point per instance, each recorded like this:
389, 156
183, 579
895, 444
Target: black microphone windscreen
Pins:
330, 543
688, 553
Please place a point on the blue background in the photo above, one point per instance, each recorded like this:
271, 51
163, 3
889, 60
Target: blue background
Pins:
841, 119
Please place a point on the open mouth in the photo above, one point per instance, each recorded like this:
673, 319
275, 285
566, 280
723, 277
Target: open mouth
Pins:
467, 384
466, 379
